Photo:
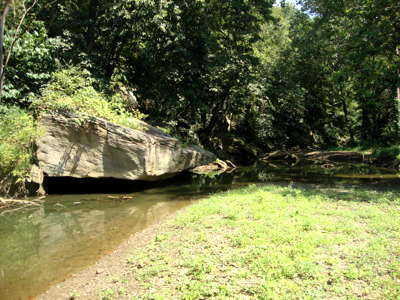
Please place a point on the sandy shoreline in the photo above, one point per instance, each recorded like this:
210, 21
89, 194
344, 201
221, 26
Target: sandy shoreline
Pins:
88, 283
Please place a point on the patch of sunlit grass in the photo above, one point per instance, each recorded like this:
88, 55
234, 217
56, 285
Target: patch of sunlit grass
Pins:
276, 243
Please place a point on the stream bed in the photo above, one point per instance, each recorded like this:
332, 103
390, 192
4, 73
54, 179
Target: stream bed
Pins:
42, 246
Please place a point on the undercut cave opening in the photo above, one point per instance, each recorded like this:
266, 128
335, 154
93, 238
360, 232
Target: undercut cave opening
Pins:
71, 185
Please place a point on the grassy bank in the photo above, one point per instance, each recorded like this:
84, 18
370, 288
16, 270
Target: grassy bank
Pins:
389, 155
272, 243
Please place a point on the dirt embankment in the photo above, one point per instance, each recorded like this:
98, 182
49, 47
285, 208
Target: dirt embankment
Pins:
339, 156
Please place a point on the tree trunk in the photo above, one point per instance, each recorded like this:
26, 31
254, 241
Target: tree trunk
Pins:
366, 124
347, 120
90, 35
115, 52
398, 93
3, 17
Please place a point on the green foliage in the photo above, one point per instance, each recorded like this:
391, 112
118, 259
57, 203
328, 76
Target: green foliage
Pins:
274, 36
327, 80
31, 63
216, 71
358, 44
189, 61
17, 134
72, 90
388, 154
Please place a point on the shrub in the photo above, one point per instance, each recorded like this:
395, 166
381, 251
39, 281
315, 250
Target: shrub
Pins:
390, 153
18, 131
72, 90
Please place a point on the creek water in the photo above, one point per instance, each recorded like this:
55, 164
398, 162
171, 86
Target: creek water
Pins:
42, 246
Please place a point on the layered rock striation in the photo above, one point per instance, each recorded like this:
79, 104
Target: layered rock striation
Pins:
95, 148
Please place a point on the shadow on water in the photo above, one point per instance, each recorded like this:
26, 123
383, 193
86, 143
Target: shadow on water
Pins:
42, 246
70, 185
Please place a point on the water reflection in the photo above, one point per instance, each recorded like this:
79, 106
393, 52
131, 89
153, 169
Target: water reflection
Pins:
42, 246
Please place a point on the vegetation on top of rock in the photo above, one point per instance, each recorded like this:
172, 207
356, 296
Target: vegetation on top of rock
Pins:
72, 90
68, 90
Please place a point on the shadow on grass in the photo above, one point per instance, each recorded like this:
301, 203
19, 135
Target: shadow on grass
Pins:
341, 193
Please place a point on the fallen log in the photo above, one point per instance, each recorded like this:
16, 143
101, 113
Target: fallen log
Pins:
5, 203
219, 166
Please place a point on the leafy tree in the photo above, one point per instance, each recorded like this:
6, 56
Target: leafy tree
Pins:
198, 63
238, 72
21, 11
366, 34
29, 54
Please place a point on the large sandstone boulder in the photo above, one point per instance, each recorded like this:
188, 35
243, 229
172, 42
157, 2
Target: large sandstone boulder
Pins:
97, 148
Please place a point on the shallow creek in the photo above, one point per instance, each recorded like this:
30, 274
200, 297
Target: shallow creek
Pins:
42, 246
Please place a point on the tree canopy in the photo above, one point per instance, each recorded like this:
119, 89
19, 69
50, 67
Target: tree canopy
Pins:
226, 74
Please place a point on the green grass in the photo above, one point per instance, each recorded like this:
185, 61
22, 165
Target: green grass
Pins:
274, 243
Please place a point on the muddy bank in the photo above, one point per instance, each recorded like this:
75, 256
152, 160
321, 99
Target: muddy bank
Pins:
90, 282
331, 156
340, 156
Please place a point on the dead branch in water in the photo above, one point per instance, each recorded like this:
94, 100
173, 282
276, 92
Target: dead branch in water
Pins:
10, 205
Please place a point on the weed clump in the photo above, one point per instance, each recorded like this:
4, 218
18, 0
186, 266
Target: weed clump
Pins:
18, 131
391, 153
71, 90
